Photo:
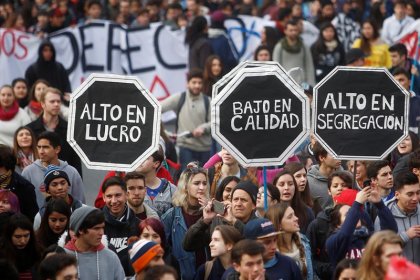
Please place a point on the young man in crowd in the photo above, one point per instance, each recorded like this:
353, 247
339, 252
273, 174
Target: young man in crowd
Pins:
136, 191
145, 254
406, 212
120, 221
276, 265
318, 175
291, 52
193, 119
414, 163
94, 260
403, 77
57, 184
395, 24
49, 148
248, 263
159, 191
59, 267
380, 174
50, 120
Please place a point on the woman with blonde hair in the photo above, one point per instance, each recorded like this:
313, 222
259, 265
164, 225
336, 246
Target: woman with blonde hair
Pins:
378, 251
191, 195
291, 242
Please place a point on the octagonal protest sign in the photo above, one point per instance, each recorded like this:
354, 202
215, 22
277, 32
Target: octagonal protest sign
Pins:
114, 122
220, 84
260, 116
360, 113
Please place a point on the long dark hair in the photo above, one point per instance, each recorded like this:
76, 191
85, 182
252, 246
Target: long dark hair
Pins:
196, 30
208, 78
44, 234
294, 167
365, 44
297, 203
319, 46
222, 186
27, 257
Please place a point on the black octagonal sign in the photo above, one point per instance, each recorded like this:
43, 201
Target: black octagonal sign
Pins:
360, 113
261, 116
114, 122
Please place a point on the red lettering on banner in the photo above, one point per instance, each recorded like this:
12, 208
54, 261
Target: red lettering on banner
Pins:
24, 48
15, 44
158, 81
3, 40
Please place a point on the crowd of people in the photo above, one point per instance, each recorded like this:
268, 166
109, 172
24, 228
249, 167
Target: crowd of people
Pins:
190, 210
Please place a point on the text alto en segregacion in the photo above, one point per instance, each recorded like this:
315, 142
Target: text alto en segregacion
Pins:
359, 104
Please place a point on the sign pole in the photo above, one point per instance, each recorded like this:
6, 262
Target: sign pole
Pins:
354, 174
265, 188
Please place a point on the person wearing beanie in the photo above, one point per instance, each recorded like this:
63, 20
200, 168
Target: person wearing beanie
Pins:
143, 255
49, 148
94, 260
239, 212
57, 185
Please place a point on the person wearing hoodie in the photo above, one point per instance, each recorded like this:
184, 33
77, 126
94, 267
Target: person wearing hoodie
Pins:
318, 175
406, 212
47, 68
94, 260
57, 185
49, 148
349, 236
120, 221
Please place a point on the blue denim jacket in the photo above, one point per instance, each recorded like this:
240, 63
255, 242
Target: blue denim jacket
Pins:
175, 230
307, 246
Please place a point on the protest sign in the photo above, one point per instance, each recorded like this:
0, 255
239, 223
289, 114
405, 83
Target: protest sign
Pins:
261, 115
114, 122
360, 113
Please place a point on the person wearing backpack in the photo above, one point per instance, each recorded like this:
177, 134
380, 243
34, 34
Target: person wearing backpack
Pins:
193, 120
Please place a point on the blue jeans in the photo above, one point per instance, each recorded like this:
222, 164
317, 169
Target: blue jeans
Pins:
187, 155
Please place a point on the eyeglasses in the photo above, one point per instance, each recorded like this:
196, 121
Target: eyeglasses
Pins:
260, 194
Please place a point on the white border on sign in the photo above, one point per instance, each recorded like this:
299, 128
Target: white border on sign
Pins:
359, 69
96, 77
274, 69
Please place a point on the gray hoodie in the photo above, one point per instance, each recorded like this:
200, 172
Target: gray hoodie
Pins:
411, 249
318, 185
35, 172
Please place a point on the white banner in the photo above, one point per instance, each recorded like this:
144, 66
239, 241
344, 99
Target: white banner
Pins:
156, 55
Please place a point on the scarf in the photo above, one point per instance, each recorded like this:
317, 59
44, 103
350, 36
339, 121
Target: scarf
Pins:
5, 179
24, 160
35, 107
292, 49
10, 113
331, 45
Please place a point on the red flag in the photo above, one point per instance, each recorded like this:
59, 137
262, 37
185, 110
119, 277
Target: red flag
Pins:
410, 41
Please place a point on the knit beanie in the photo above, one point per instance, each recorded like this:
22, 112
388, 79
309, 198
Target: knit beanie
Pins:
54, 172
142, 252
248, 187
78, 216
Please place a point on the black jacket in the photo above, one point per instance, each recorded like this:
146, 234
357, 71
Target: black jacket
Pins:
51, 71
66, 153
118, 232
318, 232
25, 192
